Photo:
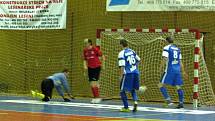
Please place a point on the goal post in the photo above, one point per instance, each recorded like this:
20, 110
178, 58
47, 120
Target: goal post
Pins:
148, 43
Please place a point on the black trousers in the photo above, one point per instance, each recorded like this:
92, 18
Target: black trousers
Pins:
47, 86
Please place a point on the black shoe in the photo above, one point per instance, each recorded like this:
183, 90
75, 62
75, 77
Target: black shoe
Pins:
180, 106
66, 100
72, 97
135, 108
45, 99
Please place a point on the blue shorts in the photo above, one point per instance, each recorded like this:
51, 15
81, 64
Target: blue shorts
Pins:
172, 79
130, 82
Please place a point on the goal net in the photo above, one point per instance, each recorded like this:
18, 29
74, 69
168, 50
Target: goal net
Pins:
148, 44
30, 57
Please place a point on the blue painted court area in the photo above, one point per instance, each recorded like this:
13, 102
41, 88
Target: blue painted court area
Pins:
108, 109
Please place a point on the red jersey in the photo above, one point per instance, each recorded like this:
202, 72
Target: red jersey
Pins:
92, 57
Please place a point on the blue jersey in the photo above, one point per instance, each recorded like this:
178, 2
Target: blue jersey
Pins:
129, 60
59, 79
173, 55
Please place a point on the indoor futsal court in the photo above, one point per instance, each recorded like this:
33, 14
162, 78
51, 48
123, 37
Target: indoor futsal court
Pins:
107, 60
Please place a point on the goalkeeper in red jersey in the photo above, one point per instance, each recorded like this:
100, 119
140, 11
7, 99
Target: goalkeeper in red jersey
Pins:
92, 63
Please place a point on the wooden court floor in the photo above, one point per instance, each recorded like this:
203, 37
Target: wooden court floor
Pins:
27, 109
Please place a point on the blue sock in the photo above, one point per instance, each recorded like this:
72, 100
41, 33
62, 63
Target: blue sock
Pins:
164, 93
124, 99
180, 96
134, 95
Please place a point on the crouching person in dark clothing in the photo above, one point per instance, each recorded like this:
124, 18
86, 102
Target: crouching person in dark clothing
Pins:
57, 80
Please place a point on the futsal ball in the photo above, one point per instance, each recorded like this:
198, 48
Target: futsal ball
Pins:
142, 89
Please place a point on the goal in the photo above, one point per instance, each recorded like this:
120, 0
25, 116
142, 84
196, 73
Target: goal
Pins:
148, 44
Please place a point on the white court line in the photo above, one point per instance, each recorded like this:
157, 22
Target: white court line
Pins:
113, 107
3, 113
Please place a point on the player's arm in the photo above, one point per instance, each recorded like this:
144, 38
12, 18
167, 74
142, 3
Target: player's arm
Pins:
138, 59
121, 63
182, 68
163, 63
66, 86
84, 59
183, 71
98, 51
101, 57
121, 71
165, 55
85, 64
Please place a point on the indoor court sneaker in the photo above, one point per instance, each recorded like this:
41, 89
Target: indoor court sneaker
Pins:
124, 110
36, 94
40, 95
135, 108
33, 93
97, 100
168, 104
92, 101
180, 106
66, 100
45, 99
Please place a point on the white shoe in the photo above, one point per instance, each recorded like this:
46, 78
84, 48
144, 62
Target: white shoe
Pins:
170, 104
92, 101
166, 105
97, 100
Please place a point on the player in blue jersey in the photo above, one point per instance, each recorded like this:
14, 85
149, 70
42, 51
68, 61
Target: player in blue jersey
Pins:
128, 62
57, 80
172, 75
